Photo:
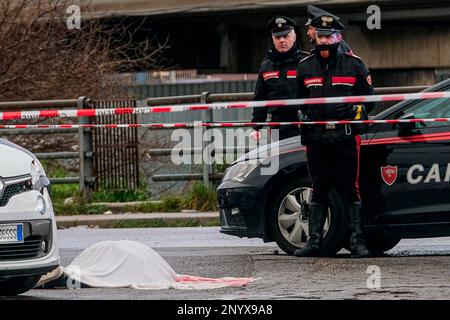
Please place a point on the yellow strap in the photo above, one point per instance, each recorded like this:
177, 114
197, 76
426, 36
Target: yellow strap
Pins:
358, 112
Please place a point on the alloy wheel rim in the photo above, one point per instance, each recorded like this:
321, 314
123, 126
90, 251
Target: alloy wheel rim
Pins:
292, 223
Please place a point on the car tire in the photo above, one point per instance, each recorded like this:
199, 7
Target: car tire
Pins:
17, 285
289, 229
378, 245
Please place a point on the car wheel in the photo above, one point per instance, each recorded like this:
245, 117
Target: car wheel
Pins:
288, 219
378, 245
17, 285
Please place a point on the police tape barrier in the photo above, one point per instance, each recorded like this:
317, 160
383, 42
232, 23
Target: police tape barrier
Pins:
11, 115
214, 124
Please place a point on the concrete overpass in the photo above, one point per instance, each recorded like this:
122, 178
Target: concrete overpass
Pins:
229, 35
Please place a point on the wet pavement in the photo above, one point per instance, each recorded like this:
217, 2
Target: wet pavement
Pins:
414, 269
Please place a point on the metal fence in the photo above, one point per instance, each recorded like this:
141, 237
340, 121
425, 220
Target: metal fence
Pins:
161, 77
86, 177
208, 173
116, 151
108, 159
192, 88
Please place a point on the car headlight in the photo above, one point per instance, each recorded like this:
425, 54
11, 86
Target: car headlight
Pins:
40, 205
245, 172
34, 173
240, 171
38, 178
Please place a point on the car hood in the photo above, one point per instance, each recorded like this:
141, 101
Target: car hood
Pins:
14, 160
271, 149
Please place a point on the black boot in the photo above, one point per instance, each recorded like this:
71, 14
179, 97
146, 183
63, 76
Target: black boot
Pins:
317, 216
358, 246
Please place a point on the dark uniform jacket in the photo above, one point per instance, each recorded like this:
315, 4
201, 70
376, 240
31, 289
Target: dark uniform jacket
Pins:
276, 80
342, 75
344, 47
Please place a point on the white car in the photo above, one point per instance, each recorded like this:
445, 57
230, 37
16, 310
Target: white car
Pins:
27, 222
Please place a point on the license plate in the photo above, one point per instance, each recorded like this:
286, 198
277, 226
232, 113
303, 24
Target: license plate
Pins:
11, 233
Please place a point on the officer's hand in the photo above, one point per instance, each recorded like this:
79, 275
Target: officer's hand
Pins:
255, 135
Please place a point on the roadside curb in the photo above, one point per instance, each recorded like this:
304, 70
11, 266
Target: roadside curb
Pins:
115, 220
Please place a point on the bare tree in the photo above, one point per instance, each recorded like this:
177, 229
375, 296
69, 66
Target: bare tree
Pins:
41, 58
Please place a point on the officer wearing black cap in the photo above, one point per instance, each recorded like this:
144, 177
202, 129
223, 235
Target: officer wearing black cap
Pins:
276, 78
332, 150
314, 12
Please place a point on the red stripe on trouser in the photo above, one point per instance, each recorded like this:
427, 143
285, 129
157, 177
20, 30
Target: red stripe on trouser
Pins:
307, 166
358, 149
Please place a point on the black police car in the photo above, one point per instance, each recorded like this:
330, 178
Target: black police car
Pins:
404, 185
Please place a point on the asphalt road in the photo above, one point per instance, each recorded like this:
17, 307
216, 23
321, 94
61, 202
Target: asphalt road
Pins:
414, 269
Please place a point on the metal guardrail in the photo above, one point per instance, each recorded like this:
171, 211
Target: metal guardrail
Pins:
247, 96
207, 115
65, 180
38, 131
57, 155
168, 152
115, 164
85, 156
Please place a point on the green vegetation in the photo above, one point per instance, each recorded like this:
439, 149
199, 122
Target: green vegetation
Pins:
59, 192
168, 204
201, 198
197, 197
140, 194
77, 208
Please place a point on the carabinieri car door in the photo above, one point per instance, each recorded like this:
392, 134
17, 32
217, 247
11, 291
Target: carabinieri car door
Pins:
405, 169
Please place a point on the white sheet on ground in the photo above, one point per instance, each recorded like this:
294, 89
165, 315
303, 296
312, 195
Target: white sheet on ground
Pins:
120, 264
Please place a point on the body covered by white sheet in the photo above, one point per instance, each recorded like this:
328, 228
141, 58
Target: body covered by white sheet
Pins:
119, 264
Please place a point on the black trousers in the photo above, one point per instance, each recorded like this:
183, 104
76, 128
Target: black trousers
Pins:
334, 164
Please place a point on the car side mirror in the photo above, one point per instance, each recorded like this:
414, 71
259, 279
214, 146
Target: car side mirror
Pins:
405, 128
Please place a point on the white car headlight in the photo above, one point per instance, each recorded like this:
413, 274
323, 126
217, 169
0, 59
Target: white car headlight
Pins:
34, 174
38, 177
40, 205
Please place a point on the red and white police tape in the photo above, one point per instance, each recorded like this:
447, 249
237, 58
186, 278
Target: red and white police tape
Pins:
70, 113
213, 124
